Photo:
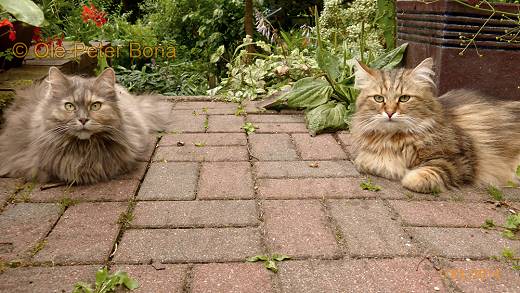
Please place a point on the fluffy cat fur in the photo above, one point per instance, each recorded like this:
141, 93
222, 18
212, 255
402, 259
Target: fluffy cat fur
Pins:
404, 132
77, 130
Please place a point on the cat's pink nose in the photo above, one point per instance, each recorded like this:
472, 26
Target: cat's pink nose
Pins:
390, 114
83, 120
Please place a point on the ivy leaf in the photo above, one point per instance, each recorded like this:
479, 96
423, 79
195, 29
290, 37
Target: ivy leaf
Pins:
390, 59
327, 117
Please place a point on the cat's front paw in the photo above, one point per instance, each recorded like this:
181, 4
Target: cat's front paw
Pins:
423, 180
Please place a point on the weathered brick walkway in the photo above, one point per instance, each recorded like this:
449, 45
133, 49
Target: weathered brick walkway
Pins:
209, 196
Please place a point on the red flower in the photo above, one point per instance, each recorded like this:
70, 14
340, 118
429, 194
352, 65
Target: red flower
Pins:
12, 33
92, 13
37, 35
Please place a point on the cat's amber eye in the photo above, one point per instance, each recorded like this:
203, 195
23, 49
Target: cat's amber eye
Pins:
379, 99
404, 98
95, 106
70, 107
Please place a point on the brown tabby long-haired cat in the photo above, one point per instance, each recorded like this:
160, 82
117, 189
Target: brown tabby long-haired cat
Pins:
77, 130
404, 132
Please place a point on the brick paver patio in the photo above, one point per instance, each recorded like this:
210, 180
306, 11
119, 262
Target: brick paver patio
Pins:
209, 196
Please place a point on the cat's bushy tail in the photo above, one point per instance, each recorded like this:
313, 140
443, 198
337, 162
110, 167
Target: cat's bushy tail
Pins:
156, 111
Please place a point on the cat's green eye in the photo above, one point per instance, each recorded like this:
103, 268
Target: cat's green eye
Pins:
404, 98
95, 106
70, 107
379, 99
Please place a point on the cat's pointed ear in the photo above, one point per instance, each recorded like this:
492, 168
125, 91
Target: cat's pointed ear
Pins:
365, 76
105, 83
59, 83
423, 73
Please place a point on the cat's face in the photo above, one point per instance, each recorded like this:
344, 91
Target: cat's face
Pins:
82, 107
398, 100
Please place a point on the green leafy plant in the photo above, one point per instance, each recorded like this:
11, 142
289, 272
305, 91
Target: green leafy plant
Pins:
495, 193
249, 128
510, 257
488, 224
106, 282
368, 185
329, 98
269, 260
512, 226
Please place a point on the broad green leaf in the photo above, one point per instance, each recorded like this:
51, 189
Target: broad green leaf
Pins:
328, 63
101, 276
24, 10
308, 93
390, 59
218, 53
129, 282
326, 117
271, 265
347, 93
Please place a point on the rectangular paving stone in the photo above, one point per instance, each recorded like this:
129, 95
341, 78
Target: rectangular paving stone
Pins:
299, 169
447, 214
345, 138
331, 276
461, 242
84, 234
368, 229
207, 139
343, 187
188, 245
170, 278
225, 180
204, 105
182, 214
358, 275
404, 275
225, 123
231, 278
280, 127
170, 181
201, 154
482, 276
46, 279
186, 123
298, 228
321, 147
113, 190
23, 225
275, 118
272, 147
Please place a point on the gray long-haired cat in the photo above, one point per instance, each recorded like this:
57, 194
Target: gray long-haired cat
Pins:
404, 132
77, 130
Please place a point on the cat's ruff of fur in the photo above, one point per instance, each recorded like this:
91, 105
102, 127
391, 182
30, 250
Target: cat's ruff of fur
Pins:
432, 144
44, 141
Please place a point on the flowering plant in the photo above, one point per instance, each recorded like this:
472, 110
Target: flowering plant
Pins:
10, 31
93, 14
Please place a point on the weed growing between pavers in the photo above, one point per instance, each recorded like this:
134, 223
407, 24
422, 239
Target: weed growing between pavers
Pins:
22, 193
269, 260
495, 193
510, 228
240, 111
38, 247
127, 216
199, 144
106, 282
509, 256
67, 202
248, 128
368, 185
